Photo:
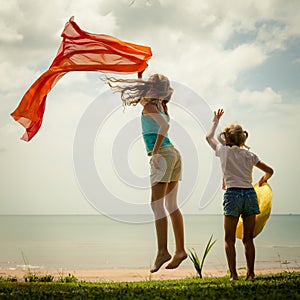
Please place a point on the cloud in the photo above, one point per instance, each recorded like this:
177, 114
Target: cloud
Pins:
13, 78
9, 35
93, 17
260, 100
272, 36
296, 61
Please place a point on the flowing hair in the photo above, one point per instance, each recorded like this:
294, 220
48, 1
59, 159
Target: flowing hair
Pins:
234, 135
132, 91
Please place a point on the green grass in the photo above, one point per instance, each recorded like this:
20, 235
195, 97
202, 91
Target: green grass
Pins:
279, 286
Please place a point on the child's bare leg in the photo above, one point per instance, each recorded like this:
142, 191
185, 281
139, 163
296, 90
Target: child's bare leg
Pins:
249, 224
230, 223
180, 254
177, 224
161, 226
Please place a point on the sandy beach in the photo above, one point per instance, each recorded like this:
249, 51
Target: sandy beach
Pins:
129, 275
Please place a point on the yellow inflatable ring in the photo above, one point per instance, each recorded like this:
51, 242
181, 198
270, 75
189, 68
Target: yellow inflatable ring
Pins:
264, 197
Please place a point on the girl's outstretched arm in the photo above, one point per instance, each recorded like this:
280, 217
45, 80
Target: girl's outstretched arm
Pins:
210, 135
268, 170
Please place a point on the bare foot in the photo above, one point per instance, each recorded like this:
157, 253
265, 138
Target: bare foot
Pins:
159, 261
233, 278
250, 277
176, 260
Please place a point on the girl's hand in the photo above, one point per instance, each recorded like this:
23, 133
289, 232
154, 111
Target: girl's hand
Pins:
262, 180
219, 113
210, 135
140, 74
155, 158
268, 172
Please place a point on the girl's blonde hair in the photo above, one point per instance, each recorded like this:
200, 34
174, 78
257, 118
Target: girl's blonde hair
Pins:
157, 87
234, 135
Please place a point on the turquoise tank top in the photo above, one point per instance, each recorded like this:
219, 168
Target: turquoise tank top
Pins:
150, 129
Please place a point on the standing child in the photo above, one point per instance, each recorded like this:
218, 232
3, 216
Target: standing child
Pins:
240, 197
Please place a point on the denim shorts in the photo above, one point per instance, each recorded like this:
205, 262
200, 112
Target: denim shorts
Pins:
240, 201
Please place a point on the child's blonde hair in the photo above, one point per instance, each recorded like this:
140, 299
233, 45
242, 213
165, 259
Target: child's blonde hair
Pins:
234, 135
134, 90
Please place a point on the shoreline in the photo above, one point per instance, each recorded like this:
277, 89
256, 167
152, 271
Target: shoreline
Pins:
129, 275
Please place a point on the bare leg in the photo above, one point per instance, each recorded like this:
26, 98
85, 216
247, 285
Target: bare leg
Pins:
230, 223
177, 224
161, 225
249, 224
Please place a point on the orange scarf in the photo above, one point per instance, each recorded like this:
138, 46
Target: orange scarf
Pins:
79, 51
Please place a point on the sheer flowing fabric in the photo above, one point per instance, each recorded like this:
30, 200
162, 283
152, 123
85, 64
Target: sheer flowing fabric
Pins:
79, 51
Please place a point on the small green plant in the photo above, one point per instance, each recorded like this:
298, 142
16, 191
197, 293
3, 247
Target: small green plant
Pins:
46, 278
26, 264
9, 279
195, 259
36, 278
69, 279
31, 278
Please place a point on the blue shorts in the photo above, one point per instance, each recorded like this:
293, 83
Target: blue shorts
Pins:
240, 201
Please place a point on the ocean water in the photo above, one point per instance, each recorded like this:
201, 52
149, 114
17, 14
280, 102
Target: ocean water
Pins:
98, 242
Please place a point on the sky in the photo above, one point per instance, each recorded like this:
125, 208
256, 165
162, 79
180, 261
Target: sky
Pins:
242, 56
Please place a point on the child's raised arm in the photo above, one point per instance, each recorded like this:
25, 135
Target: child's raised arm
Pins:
210, 135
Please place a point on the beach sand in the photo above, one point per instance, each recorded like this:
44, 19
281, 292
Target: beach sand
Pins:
126, 275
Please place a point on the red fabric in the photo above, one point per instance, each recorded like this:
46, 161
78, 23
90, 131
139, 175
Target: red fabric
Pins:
79, 51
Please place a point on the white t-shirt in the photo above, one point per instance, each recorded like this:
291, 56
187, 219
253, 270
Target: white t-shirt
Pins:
237, 165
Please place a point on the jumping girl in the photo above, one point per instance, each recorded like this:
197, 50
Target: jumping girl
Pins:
154, 95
